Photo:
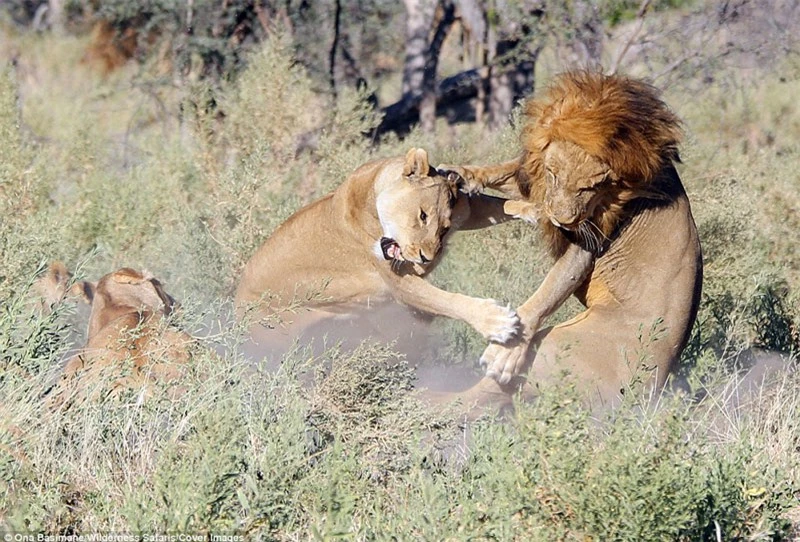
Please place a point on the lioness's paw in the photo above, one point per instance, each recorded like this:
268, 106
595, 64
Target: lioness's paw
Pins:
503, 362
496, 322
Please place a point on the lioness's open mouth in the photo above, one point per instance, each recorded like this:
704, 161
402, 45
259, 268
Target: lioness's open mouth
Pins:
390, 248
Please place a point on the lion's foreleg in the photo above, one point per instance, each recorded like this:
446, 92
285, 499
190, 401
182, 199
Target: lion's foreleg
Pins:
566, 275
501, 177
494, 321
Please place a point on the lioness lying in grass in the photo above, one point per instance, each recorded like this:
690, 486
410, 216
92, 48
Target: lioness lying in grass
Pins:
129, 342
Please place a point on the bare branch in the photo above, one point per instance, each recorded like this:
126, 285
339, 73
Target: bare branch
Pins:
640, 13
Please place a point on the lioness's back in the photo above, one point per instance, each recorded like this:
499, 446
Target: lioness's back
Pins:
300, 243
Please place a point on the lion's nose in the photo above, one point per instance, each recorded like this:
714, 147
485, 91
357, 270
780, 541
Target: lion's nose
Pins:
565, 222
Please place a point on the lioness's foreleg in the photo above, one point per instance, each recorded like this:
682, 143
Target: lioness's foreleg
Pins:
492, 320
503, 362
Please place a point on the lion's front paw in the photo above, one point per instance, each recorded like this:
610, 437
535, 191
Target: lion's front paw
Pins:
496, 322
504, 362
464, 179
522, 209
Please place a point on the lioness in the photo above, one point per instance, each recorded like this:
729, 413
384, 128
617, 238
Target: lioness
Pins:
129, 342
597, 175
372, 240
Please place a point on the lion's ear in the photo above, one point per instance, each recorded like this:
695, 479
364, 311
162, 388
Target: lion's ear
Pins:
454, 183
416, 162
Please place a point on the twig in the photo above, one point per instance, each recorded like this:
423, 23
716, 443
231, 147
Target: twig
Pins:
640, 13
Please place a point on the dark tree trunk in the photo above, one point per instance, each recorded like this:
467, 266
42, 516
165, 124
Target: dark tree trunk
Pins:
337, 20
427, 107
419, 21
453, 97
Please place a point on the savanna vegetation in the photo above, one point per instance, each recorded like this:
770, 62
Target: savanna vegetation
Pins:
184, 157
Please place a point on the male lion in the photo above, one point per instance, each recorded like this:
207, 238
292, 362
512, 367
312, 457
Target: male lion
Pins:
129, 342
370, 241
597, 174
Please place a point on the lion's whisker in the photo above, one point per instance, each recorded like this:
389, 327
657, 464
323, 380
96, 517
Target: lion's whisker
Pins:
587, 237
599, 237
599, 231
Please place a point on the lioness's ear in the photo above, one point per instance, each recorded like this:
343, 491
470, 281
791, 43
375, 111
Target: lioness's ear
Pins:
166, 299
52, 285
58, 272
416, 162
455, 180
126, 275
84, 290
454, 184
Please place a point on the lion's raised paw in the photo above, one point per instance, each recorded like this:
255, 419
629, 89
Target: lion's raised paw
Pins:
464, 179
504, 362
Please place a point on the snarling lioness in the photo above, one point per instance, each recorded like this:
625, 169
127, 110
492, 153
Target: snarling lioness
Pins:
370, 241
597, 175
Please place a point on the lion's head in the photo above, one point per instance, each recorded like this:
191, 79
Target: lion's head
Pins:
414, 205
592, 144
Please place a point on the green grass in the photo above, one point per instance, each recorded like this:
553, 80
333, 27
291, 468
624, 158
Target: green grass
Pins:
336, 444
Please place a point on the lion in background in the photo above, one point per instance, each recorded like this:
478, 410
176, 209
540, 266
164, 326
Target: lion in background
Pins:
597, 175
368, 243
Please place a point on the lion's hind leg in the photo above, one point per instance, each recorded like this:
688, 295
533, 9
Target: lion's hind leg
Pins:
590, 349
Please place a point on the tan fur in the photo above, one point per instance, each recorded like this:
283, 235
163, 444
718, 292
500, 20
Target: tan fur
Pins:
597, 175
109, 47
129, 340
112, 45
333, 246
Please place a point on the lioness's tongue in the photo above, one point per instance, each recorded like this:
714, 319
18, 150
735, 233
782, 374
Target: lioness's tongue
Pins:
390, 248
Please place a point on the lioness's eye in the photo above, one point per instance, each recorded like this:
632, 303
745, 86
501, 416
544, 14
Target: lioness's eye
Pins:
423, 216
